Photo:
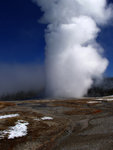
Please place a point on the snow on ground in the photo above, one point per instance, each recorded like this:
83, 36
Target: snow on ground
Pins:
109, 99
47, 118
19, 130
93, 102
105, 99
9, 116
44, 118
100, 99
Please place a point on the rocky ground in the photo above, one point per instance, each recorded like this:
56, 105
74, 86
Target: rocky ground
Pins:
75, 124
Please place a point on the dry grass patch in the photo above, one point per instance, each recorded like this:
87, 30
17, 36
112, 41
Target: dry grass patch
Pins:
6, 104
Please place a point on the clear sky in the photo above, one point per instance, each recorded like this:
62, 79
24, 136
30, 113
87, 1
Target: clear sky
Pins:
22, 37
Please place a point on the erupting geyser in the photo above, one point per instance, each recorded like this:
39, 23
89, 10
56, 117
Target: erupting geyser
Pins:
73, 57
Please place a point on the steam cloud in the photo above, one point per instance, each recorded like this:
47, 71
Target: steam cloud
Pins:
73, 57
17, 78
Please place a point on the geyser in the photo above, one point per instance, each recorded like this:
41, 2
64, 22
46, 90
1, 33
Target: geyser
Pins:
73, 57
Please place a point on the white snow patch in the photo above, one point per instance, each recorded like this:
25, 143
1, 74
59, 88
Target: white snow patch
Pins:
44, 118
47, 118
93, 102
109, 99
100, 99
19, 130
9, 116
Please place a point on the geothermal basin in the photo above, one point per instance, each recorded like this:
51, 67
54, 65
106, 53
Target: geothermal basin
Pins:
81, 124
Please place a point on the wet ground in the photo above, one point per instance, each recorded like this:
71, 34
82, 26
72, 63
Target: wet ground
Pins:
81, 124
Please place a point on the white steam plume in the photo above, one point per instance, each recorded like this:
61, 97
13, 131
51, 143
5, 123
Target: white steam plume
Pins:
15, 78
73, 57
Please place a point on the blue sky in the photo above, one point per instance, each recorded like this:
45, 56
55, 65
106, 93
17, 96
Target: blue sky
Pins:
22, 37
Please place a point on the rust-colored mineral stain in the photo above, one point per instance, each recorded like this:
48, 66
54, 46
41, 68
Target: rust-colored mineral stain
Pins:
97, 111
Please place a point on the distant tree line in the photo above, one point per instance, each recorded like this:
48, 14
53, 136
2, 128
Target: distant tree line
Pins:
23, 95
98, 92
